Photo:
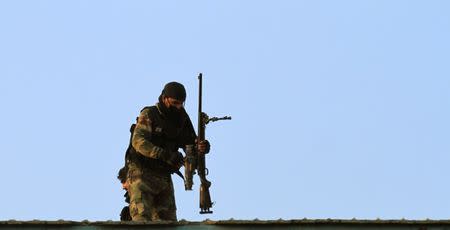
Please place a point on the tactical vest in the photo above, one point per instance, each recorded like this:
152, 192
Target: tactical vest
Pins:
165, 134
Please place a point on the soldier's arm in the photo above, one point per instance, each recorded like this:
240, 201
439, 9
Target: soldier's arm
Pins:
142, 137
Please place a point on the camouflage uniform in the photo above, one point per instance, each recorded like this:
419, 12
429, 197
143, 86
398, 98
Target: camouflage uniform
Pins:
155, 137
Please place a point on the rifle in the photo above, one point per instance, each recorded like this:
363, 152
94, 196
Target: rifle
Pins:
195, 160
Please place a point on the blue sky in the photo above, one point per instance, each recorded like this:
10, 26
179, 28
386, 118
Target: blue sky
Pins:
340, 108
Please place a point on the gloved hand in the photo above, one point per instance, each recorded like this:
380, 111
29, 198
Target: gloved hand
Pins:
203, 146
175, 159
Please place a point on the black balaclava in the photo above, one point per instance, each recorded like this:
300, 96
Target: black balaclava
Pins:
173, 90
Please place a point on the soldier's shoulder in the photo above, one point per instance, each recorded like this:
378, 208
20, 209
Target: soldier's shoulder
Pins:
149, 108
150, 112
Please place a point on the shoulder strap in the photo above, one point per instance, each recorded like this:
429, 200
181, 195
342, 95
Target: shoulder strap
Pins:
155, 116
153, 112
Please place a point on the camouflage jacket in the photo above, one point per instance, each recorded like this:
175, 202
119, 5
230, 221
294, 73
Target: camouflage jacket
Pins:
156, 137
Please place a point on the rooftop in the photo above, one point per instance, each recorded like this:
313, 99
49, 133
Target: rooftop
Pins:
309, 224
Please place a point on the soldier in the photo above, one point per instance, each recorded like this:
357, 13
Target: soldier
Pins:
122, 176
160, 131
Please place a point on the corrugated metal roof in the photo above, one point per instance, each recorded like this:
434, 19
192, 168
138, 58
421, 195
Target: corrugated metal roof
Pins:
236, 224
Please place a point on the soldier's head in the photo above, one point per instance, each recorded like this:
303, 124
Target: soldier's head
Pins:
122, 176
173, 95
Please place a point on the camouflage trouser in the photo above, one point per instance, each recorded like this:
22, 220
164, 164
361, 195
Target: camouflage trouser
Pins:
151, 196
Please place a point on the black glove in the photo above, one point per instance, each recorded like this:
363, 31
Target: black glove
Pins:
175, 159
